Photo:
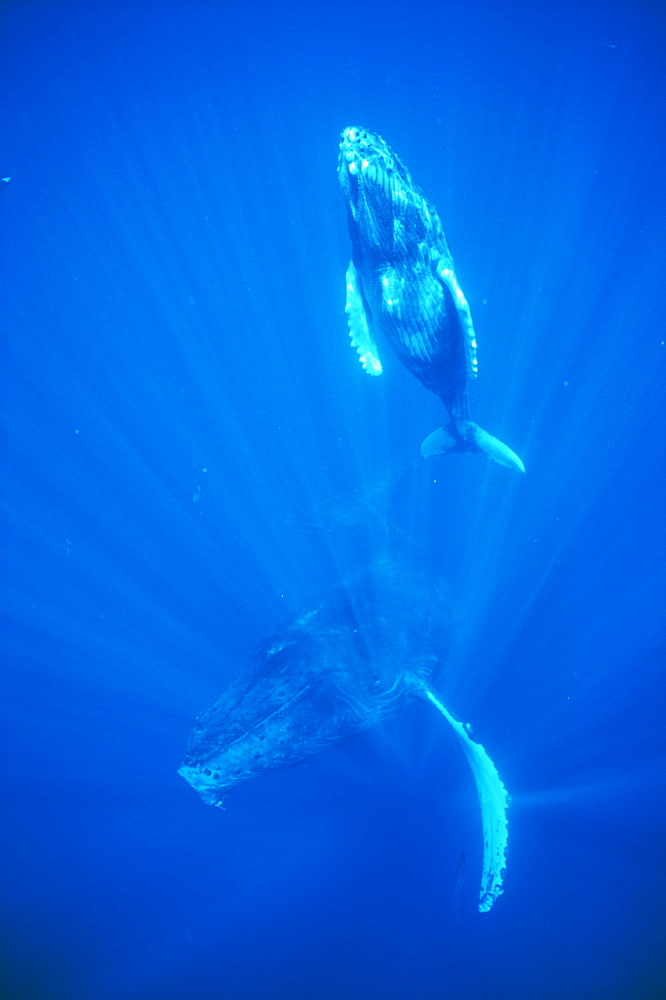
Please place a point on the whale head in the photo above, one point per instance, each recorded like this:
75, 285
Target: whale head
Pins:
387, 211
330, 674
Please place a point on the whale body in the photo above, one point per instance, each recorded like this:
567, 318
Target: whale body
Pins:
401, 284
365, 652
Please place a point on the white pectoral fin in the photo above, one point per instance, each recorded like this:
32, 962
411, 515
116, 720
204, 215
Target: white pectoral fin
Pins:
494, 802
448, 277
359, 329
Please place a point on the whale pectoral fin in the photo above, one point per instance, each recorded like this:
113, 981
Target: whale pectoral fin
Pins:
494, 802
359, 329
448, 278
491, 446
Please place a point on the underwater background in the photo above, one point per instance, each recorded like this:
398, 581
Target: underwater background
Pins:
193, 456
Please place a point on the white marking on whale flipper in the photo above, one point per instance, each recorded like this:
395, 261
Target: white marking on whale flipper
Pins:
359, 330
447, 274
494, 802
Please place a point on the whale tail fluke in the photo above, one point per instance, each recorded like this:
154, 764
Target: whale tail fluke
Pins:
468, 436
493, 448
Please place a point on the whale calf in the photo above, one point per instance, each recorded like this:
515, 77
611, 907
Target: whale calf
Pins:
401, 283
368, 650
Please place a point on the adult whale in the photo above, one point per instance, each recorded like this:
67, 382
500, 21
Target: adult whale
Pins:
401, 282
364, 653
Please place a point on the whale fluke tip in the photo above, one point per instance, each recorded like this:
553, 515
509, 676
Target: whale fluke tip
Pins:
495, 449
439, 442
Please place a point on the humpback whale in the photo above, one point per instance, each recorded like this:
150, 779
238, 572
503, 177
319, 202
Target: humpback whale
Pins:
401, 283
368, 650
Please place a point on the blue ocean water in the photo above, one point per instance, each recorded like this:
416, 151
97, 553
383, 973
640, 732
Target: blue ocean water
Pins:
193, 456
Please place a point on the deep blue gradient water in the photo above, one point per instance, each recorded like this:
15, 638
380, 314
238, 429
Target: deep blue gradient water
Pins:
192, 456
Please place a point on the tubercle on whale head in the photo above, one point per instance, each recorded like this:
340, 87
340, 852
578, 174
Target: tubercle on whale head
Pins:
207, 782
361, 149
367, 162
